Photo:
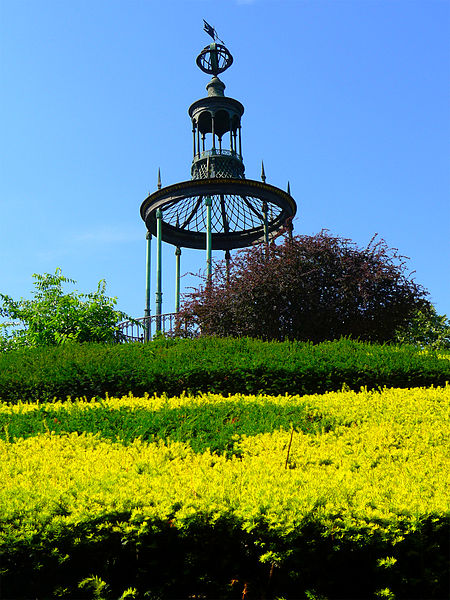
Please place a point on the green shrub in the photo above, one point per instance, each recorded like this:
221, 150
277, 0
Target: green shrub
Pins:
310, 288
213, 365
53, 317
427, 329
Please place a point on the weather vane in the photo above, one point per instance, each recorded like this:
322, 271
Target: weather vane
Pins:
211, 31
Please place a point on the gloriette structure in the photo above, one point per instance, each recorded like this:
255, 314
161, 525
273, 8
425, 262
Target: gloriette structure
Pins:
218, 208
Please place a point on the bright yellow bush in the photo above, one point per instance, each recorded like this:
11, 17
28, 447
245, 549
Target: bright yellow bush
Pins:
385, 466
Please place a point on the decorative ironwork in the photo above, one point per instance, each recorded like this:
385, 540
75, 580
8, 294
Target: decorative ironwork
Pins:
214, 59
224, 166
237, 217
145, 328
216, 152
218, 209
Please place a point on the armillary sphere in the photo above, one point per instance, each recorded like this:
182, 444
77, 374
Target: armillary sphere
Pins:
240, 208
214, 59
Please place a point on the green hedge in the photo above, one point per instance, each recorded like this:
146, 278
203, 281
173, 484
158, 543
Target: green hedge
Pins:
213, 365
161, 562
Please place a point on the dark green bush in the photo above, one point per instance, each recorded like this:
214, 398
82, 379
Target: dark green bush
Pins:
213, 365
218, 559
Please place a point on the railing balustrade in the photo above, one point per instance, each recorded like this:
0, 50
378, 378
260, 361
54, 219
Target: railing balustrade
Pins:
145, 328
217, 152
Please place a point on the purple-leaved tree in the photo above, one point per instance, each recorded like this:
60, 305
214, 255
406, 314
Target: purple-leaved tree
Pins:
314, 288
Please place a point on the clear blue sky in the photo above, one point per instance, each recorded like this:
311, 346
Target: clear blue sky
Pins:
349, 100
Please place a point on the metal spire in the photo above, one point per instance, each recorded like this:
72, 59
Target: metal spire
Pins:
289, 188
159, 178
263, 173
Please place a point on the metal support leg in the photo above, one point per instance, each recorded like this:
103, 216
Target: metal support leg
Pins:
265, 223
158, 268
227, 264
177, 278
147, 330
208, 204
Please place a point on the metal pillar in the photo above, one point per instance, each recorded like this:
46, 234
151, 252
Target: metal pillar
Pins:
265, 223
147, 334
208, 204
227, 264
213, 133
158, 268
177, 278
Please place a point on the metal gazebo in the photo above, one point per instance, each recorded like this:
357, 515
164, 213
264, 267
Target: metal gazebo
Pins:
218, 208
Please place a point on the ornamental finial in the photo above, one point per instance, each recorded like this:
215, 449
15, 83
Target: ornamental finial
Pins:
215, 58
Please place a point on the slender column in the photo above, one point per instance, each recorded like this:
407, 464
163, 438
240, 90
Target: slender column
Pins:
213, 133
234, 136
203, 142
208, 204
198, 140
265, 223
177, 278
147, 330
231, 136
158, 268
291, 224
240, 141
220, 144
227, 264
193, 137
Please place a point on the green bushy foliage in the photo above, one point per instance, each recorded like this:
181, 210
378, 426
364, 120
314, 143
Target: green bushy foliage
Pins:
427, 329
203, 423
53, 317
308, 288
213, 365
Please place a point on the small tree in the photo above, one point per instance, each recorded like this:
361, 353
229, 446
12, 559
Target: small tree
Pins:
54, 317
309, 288
427, 329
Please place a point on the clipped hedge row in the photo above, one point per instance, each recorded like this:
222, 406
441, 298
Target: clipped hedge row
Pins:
213, 365
357, 511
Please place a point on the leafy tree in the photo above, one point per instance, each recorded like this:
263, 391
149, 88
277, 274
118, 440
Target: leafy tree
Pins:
427, 329
309, 288
54, 317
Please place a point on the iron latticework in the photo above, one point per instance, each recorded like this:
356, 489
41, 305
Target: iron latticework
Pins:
241, 211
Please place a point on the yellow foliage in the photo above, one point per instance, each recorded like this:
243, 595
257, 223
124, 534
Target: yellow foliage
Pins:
385, 465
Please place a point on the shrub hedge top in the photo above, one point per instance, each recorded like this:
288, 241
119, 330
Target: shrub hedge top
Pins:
227, 365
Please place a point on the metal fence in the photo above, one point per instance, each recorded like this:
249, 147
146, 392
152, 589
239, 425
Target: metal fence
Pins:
145, 329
